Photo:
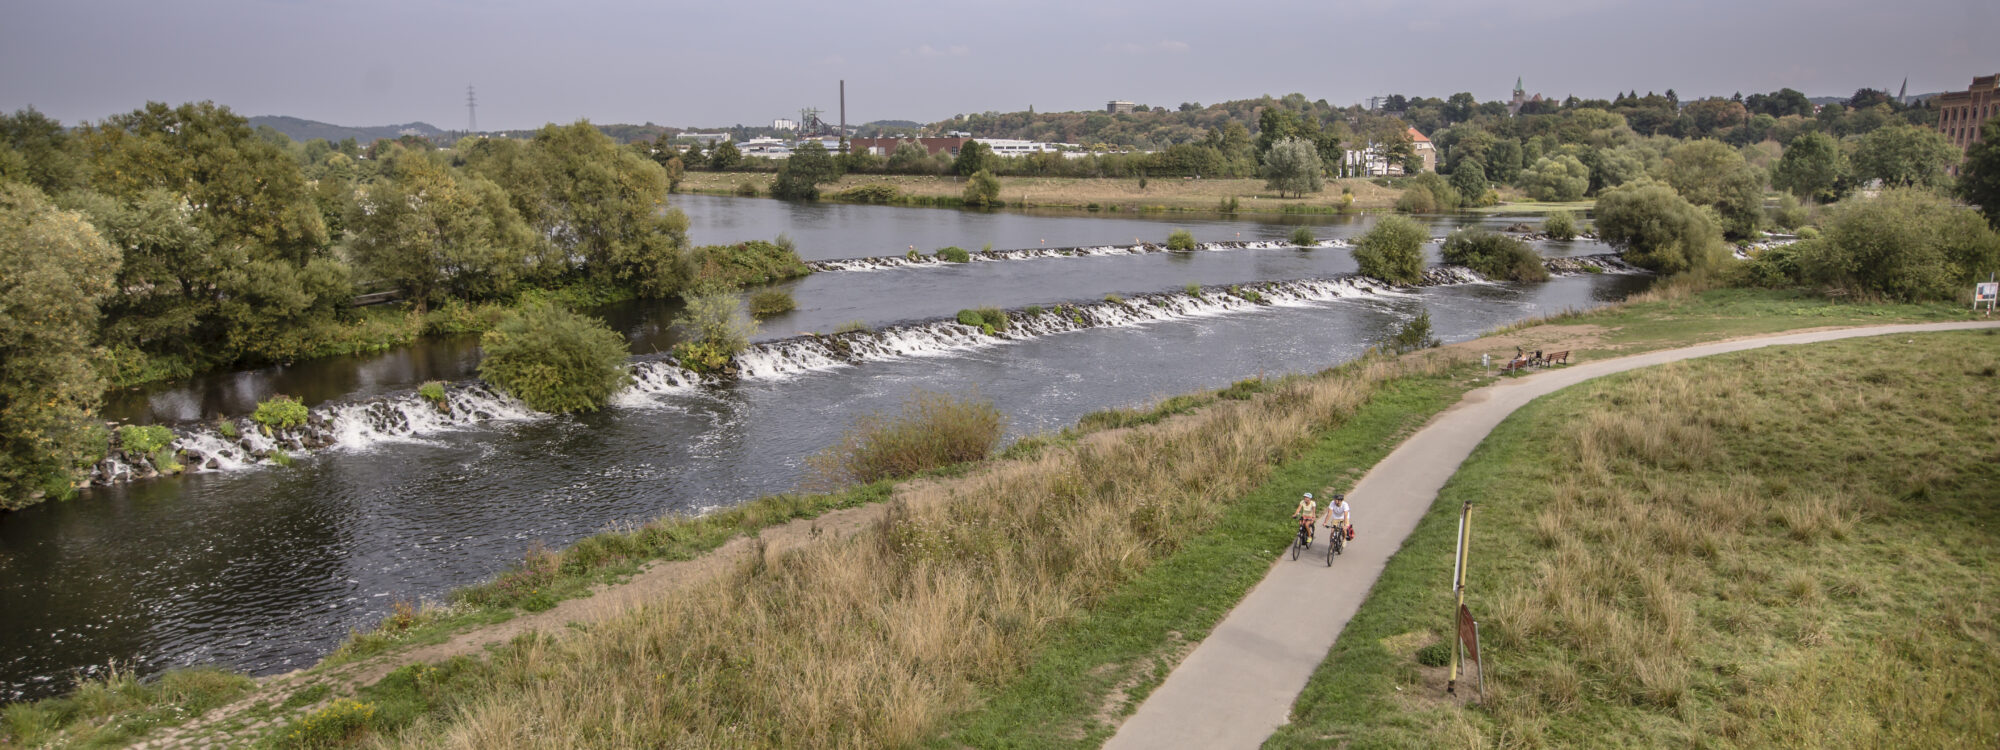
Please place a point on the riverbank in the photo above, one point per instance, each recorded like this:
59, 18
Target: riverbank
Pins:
1666, 322
1089, 193
1782, 548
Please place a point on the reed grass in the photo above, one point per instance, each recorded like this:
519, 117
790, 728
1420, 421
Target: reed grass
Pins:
877, 640
1784, 548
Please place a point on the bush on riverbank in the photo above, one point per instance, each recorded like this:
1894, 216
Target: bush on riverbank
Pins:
1180, 239
1494, 255
745, 263
769, 302
1393, 250
954, 254
982, 189
1905, 244
280, 412
1303, 237
716, 330
554, 360
933, 430
1655, 229
1560, 225
990, 320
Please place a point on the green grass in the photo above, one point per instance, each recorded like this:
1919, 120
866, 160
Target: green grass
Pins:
1731, 313
114, 710
1131, 641
1534, 207
1789, 547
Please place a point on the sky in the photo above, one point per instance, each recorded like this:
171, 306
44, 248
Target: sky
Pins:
719, 63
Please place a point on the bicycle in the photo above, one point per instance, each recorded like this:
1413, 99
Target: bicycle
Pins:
1336, 542
1303, 540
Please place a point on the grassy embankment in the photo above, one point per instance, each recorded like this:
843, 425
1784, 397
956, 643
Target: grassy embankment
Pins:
1067, 664
1788, 547
1106, 193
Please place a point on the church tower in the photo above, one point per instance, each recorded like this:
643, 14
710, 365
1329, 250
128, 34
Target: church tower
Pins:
1520, 98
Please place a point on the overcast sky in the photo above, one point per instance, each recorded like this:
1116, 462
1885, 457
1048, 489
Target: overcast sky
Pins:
724, 62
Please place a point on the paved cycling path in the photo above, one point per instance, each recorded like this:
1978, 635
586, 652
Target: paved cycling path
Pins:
1239, 685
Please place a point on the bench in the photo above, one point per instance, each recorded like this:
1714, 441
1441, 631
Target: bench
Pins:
1561, 357
1514, 365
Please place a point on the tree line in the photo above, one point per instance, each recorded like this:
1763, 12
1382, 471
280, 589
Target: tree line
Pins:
176, 239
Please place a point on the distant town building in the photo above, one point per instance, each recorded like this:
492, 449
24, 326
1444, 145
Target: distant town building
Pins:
784, 124
886, 146
1520, 98
1960, 113
705, 138
1369, 162
1118, 107
1013, 147
1425, 150
766, 148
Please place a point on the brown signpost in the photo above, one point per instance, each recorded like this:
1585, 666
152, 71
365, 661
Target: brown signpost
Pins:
1468, 640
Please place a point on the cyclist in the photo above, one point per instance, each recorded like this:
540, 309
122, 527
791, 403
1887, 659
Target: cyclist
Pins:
1306, 511
1338, 515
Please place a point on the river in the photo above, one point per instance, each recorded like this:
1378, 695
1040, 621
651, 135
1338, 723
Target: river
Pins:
266, 568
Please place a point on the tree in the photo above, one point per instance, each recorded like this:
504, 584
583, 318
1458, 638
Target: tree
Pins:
1903, 156
554, 360
1561, 178
1710, 173
597, 205
1393, 250
1654, 228
1908, 244
716, 330
1293, 166
1494, 255
1810, 167
724, 156
910, 157
982, 190
810, 167
53, 270
1503, 160
440, 235
1979, 177
46, 155
1469, 179
973, 157
247, 190
1617, 166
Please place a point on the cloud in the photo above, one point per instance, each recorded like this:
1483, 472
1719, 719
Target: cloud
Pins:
925, 50
1167, 46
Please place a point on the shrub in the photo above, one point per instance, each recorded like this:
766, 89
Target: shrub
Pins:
853, 326
1789, 213
226, 427
432, 391
745, 263
337, 725
553, 359
1558, 178
1428, 193
1303, 237
989, 319
1180, 239
954, 254
1494, 255
876, 193
1908, 244
933, 430
770, 302
144, 440
1392, 251
1194, 290
1560, 225
1114, 299
1653, 228
1435, 655
1808, 233
747, 189
982, 189
280, 412
1414, 334
716, 331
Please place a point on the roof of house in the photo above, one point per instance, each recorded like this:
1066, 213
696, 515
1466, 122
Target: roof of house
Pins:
1417, 137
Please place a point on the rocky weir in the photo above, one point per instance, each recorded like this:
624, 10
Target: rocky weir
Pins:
238, 443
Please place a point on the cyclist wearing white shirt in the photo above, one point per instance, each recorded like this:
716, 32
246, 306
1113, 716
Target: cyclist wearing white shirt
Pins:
1337, 515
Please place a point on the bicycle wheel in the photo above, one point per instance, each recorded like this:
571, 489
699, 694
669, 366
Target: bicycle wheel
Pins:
1332, 547
1298, 543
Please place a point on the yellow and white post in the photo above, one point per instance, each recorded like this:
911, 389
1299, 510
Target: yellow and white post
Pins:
1458, 563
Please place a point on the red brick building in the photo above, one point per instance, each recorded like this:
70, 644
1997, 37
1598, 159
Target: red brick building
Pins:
885, 146
1960, 113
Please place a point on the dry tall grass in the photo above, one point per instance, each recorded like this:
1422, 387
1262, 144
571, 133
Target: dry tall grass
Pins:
1783, 549
933, 430
874, 641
